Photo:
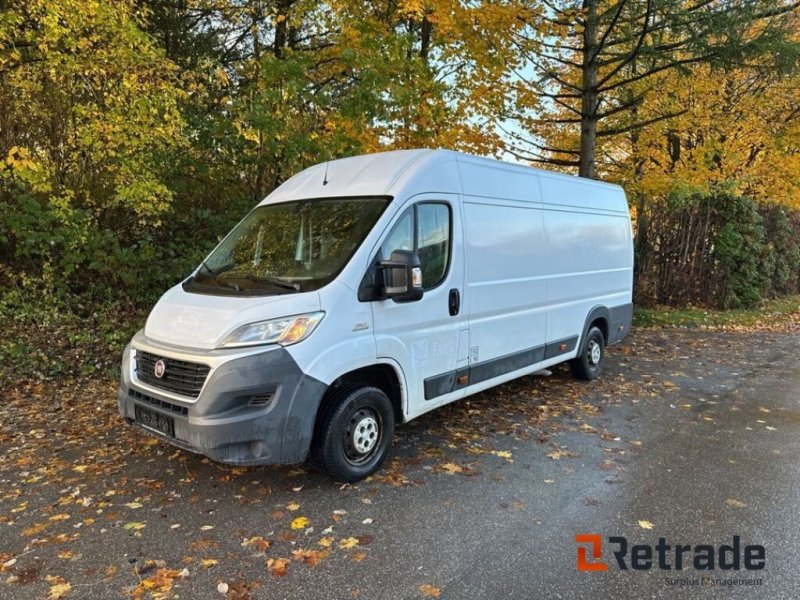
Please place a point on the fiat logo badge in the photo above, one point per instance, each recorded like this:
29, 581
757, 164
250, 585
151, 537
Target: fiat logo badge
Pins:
159, 368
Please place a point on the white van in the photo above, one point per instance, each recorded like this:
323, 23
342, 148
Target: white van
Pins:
367, 291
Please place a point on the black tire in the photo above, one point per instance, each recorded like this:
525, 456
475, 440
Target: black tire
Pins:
589, 363
354, 433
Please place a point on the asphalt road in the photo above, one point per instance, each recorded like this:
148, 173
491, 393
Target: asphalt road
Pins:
689, 436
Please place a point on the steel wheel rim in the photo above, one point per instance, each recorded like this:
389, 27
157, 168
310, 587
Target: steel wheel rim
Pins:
362, 435
594, 353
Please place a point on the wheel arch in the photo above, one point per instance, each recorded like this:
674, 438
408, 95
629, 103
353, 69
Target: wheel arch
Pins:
384, 376
598, 316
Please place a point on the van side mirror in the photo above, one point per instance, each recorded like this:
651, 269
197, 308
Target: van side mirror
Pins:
402, 276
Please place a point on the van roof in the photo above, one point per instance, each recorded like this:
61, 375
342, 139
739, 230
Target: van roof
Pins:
383, 173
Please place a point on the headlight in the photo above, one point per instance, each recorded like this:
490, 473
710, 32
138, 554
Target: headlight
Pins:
284, 331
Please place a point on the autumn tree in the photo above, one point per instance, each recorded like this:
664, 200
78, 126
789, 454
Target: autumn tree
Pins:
277, 85
89, 114
592, 60
741, 129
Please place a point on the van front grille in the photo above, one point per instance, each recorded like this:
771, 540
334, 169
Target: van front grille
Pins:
163, 404
179, 376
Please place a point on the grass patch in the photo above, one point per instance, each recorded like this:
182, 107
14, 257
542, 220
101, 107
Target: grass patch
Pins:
772, 314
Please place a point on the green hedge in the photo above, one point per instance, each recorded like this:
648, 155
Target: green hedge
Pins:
716, 249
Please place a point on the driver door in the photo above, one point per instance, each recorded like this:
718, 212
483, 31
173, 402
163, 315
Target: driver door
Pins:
428, 337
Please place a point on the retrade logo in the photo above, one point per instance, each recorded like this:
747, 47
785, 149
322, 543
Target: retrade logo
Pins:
668, 557
595, 542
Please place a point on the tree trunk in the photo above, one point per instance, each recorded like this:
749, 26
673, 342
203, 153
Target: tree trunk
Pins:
641, 239
588, 147
258, 184
281, 30
425, 38
589, 93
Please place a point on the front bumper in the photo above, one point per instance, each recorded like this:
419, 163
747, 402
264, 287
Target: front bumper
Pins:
230, 421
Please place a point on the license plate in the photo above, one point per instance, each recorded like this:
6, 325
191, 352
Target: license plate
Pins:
156, 421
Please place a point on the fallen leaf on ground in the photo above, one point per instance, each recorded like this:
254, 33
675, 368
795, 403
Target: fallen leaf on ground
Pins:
346, 543
452, 468
61, 517
557, 454
735, 503
159, 585
300, 523
277, 566
258, 542
645, 524
430, 591
310, 557
58, 591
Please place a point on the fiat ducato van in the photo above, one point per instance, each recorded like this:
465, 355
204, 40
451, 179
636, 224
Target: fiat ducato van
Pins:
366, 291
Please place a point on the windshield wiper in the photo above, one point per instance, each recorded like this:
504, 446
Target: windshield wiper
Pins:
277, 282
209, 272
274, 281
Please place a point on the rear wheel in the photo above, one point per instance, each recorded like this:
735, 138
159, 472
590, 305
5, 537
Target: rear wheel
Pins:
589, 363
355, 433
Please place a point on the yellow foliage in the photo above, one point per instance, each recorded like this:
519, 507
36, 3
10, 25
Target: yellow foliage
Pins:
741, 128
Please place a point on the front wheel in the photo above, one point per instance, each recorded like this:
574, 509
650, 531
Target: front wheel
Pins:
355, 433
589, 363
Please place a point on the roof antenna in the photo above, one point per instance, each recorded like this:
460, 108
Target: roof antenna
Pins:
325, 179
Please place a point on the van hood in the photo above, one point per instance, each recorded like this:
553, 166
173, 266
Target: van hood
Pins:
203, 321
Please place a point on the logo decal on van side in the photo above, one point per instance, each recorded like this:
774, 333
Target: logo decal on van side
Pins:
419, 353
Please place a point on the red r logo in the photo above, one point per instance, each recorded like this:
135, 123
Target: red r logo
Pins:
596, 542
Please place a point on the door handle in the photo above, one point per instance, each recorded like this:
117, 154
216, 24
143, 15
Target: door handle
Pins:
454, 302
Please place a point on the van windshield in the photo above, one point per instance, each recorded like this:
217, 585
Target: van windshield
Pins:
288, 247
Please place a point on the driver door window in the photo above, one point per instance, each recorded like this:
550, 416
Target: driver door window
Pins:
425, 229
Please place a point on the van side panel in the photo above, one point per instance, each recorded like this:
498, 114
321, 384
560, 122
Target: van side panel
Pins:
589, 257
505, 284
